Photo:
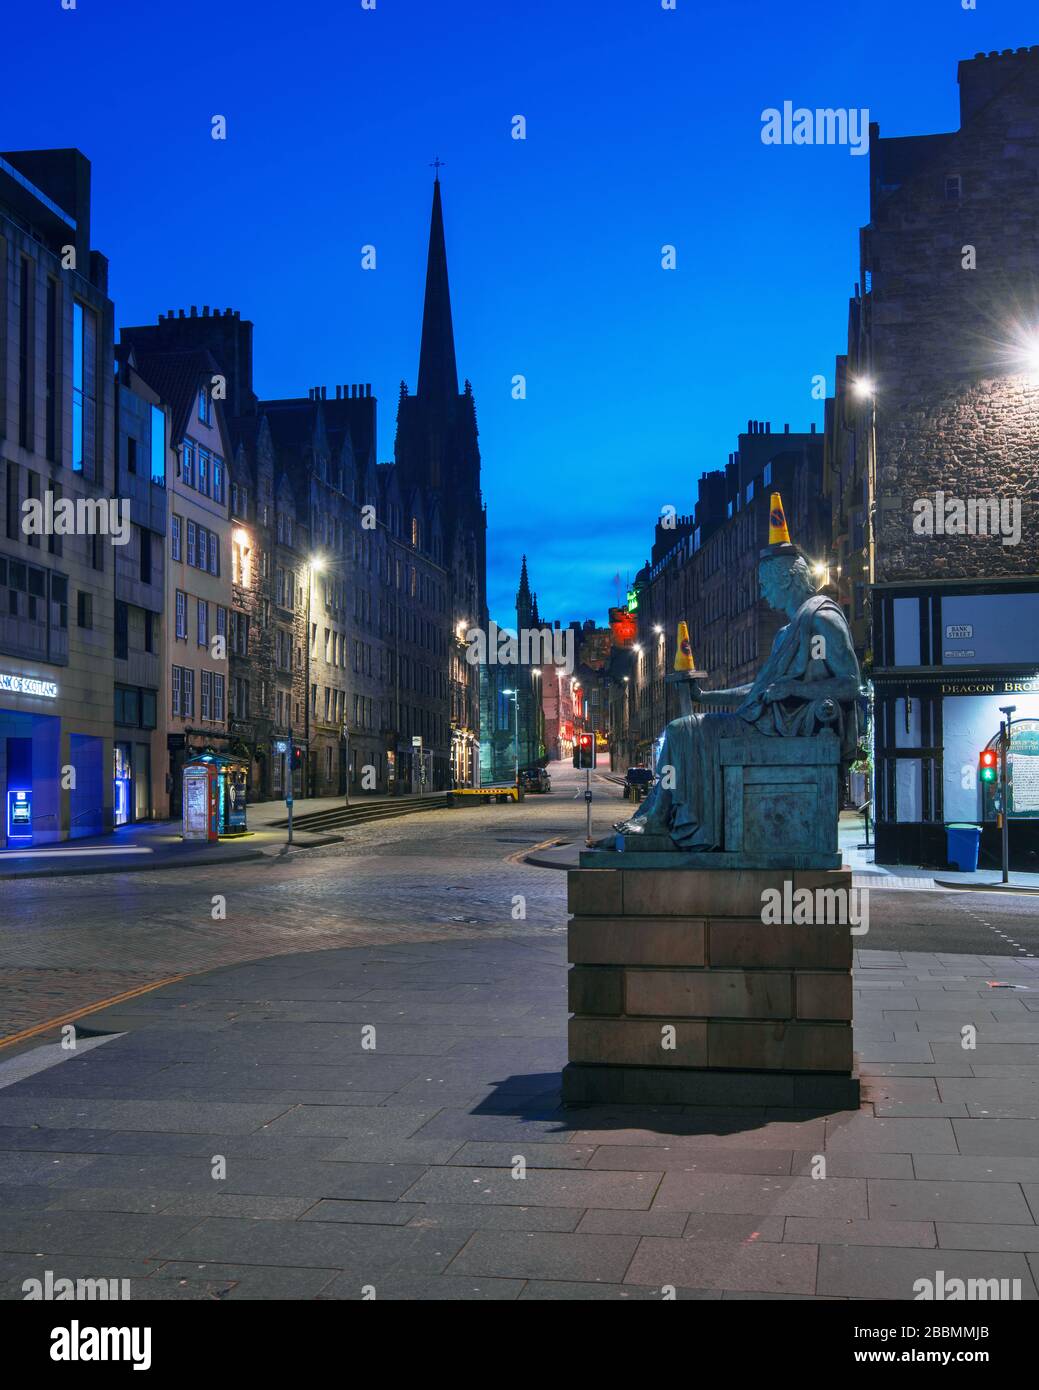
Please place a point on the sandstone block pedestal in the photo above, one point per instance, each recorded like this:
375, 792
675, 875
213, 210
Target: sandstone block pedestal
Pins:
681, 994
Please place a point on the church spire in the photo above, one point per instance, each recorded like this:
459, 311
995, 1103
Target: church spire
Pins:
437, 372
524, 602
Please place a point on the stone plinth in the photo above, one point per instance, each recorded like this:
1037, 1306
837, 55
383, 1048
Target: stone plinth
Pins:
681, 994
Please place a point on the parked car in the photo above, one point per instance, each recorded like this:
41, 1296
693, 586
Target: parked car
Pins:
637, 782
535, 779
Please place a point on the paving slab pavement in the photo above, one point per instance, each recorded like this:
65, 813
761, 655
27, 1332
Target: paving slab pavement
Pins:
244, 1134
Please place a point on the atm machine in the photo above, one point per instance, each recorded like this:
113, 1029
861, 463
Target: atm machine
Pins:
19, 816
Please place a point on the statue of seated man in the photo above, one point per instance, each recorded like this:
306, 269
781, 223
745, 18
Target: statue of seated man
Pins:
810, 683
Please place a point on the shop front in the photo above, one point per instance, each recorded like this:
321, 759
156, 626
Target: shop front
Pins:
950, 660
52, 783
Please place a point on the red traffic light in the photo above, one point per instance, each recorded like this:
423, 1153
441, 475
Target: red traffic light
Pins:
584, 750
987, 760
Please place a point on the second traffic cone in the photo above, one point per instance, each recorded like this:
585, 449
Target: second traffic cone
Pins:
684, 650
778, 532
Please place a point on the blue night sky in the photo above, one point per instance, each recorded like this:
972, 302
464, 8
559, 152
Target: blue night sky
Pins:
644, 128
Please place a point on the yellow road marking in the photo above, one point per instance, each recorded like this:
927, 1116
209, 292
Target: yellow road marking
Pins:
518, 856
87, 1009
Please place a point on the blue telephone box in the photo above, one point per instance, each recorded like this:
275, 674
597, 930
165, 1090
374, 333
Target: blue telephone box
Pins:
19, 815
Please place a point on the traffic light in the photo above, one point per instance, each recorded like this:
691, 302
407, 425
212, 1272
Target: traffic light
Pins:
584, 750
988, 765
297, 757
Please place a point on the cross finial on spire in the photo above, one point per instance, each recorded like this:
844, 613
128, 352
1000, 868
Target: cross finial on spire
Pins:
437, 165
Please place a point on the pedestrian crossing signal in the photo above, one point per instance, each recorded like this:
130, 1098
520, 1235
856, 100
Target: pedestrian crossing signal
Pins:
584, 751
987, 765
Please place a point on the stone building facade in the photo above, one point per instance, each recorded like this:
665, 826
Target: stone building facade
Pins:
931, 457
198, 560
144, 466
352, 582
437, 453
704, 570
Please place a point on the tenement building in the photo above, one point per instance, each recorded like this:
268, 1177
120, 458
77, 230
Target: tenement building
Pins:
346, 584
144, 464
933, 461
60, 523
703, 570
197, 567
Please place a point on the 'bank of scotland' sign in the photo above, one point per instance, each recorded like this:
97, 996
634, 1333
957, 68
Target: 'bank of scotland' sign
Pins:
28, 685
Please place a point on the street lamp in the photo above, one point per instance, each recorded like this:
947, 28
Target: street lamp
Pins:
314, 565
515, 737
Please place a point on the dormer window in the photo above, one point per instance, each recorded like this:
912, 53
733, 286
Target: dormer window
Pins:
205, 406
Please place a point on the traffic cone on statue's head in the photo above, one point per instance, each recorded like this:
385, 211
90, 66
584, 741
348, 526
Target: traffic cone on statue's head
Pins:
778, 531
779, 543
684, 650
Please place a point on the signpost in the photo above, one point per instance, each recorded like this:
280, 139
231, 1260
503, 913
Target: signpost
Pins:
1004, 791
283, 748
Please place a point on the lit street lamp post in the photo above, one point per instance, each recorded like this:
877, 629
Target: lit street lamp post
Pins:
314, 564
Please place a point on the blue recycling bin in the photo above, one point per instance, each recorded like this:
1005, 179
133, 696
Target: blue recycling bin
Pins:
963, 843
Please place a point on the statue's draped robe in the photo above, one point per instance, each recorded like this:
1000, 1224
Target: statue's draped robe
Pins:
690, 811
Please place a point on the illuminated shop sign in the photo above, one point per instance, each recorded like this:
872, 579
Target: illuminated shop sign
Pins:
28, 685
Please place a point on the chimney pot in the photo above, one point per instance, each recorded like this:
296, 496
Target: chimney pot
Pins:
181, 313
205, 311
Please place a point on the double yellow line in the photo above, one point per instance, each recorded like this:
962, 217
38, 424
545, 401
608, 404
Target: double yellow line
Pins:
75, 1014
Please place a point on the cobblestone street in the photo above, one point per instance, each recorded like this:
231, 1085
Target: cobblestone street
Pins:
68, 943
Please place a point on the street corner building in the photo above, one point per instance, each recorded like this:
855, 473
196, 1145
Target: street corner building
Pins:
58, 435
932, 444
